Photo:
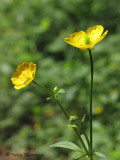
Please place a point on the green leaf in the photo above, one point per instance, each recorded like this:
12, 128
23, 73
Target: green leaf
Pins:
101, 155
76, 155
61, 91
83, 119
48, 98
84, 140
55, 90
73, 126
68, 145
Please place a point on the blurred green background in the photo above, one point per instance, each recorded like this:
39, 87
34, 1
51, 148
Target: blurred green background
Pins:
34, 30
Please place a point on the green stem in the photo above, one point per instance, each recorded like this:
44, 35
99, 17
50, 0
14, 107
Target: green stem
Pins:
91, 90
51, 94
66, 114
77, 133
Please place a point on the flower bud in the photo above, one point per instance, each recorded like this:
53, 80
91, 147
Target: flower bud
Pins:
73, 119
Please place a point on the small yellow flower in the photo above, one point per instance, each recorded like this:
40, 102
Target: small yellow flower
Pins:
37, 126
98, 110
113, 90
87, 40
24, 75
49, 113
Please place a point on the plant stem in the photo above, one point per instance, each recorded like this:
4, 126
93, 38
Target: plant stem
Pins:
51, 94
91, 90
77, 133
65, 113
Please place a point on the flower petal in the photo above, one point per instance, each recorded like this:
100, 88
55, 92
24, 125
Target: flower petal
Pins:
19, 86
86, 40
22, 66
32, 66
77, 39
24, 75
100, 38
94, 32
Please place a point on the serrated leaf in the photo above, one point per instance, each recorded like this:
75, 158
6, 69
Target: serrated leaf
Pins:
99, 154
77, 155
68, 145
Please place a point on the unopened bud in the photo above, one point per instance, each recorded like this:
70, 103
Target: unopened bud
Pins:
73, 119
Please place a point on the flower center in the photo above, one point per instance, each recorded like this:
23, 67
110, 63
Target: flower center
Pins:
87, 40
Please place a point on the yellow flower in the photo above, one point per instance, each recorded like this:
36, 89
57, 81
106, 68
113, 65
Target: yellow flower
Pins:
87, 40
49, 113
37, 126
98, 110
24, 75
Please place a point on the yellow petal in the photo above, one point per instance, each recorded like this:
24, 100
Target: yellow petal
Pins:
32, 66
22, 66
86, 40
100, 38
19, 86
94, 32
77, 39
24, 75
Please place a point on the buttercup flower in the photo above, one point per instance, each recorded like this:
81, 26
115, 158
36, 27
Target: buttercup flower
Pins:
98, 110
24, 75
87, 40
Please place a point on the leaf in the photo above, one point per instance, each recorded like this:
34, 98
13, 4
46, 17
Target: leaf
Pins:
61, 91
101, 155
77, 155
55, 90
83, 119
48, 98
84, 140
73, 126
68, 145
